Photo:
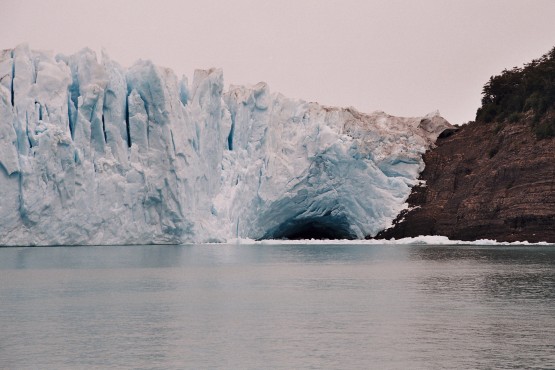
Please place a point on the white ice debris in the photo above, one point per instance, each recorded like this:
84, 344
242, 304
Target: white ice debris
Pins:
92, 153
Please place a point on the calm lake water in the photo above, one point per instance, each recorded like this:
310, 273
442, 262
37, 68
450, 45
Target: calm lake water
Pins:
277, 306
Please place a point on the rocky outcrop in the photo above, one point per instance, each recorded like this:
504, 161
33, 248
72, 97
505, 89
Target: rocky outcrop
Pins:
487, 180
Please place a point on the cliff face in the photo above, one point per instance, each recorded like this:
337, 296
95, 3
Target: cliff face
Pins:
94, 153
488, 180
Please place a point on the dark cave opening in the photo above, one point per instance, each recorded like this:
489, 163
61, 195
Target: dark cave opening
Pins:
325, 227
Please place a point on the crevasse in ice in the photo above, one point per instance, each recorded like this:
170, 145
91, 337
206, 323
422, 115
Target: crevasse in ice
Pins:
93, 153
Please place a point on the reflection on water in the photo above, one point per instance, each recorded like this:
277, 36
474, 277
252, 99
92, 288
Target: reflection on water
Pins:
278, 306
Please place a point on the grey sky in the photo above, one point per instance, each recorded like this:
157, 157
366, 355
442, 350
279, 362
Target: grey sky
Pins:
403, 57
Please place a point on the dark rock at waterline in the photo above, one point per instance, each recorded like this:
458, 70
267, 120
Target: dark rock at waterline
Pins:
487, 180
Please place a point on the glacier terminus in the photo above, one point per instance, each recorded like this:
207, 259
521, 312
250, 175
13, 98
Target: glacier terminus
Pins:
94, 153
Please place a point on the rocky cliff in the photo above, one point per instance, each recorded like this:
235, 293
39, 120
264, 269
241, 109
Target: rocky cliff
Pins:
494, 178
488, 180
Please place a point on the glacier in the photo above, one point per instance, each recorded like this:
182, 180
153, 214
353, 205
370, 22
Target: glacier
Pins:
94, 153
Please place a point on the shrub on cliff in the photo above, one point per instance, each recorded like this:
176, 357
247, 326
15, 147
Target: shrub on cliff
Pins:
545, 129
519, 90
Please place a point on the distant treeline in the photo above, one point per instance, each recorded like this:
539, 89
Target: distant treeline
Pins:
508, 96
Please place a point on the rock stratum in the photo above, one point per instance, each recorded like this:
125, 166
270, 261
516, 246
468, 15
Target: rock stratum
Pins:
495, 177
486, 181
94, 153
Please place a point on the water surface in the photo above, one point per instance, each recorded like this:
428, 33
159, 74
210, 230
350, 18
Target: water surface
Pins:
277, 306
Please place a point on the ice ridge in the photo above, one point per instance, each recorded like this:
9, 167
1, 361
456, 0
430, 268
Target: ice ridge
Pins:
93, 153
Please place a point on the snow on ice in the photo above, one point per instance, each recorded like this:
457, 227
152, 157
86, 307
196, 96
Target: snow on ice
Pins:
93, 153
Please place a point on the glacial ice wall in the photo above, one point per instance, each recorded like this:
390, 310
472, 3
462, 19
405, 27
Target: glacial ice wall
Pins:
93, 153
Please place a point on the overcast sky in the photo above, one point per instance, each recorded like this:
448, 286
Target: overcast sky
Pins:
403, 57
